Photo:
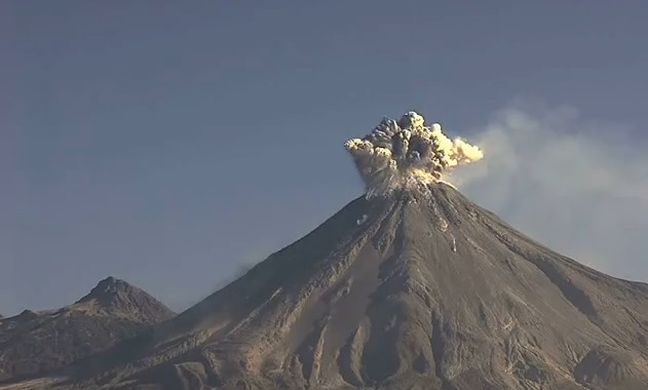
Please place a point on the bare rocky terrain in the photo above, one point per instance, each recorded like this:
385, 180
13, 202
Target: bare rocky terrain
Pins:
33, 343
412, 291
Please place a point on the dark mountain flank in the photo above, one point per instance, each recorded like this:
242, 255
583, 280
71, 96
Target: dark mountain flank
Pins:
415, 290
34, 343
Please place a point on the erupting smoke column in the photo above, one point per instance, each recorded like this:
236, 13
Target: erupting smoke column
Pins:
407, 154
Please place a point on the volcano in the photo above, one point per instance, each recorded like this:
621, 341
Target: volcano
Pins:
410, 286
410, 291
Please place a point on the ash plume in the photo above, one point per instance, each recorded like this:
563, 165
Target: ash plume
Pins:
407, 154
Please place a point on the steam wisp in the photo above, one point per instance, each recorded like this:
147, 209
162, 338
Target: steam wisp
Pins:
407, 154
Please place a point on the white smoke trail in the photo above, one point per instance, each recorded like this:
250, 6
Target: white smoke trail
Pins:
407, 154
578, 185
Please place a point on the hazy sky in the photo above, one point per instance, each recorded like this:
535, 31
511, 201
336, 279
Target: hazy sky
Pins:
170, 143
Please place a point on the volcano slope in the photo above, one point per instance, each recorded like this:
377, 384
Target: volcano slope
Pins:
409, 291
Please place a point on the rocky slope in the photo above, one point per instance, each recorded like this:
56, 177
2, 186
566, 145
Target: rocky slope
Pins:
33, 343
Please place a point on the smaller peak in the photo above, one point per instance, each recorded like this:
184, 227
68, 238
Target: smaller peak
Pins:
112, 283
116, 295
108, 288
27, 315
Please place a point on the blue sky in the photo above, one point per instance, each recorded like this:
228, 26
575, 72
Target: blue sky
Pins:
172, 143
